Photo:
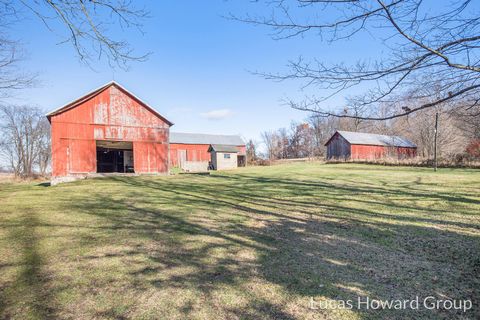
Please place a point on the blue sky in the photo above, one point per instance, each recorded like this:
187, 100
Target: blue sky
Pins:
198, 74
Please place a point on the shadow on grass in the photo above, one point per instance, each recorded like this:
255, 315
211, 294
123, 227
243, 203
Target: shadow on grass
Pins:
309, 248
44, 184
30, 288
274, 242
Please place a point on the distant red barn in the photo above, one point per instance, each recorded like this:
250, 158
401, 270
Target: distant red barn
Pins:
359, 145
194, 147
108, 130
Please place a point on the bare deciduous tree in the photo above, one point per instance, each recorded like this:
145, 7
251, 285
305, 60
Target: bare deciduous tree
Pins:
426, 44
421, 130
251, 151
270, 139
283, 143
87, 25
322, 129
468, 122
11, 76
24, 139
44, 154
300, 141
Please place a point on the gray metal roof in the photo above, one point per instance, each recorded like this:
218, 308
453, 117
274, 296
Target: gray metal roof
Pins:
376, 139
200, 138
222, 148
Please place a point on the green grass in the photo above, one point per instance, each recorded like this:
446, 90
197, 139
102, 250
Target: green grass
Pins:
253, 243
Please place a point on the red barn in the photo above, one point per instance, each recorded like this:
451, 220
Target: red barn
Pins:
108, 130
194, 147
368, 146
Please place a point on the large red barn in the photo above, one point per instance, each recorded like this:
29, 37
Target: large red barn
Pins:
368, 146
108, 130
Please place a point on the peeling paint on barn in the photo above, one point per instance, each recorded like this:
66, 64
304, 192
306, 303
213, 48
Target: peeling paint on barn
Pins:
94, 133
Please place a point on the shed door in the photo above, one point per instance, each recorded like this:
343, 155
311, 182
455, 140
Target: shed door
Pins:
182, 157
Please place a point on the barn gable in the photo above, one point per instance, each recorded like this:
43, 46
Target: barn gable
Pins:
109, 104
338, 147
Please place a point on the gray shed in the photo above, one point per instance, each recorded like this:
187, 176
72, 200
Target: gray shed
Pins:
223, 156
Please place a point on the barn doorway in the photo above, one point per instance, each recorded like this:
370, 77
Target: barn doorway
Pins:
115, 156
241, 160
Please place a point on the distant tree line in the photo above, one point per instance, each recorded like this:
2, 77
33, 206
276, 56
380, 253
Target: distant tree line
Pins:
458, 134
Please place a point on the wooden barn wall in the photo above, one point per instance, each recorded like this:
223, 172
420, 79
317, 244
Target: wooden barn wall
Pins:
369, 152
194, 152
150, 157
110, 115
338, 148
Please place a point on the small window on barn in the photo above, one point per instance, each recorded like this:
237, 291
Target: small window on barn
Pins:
226, 156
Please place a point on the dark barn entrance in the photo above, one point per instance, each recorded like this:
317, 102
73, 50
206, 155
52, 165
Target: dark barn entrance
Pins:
241, 161
114, 156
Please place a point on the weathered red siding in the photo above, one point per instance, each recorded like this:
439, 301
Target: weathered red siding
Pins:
369, 152
110, 114
194, 152
338, 147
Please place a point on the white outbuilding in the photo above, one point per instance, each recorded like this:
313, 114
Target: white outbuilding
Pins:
223, 156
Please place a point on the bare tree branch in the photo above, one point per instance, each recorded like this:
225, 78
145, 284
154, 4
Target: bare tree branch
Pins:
88, 25
426, 48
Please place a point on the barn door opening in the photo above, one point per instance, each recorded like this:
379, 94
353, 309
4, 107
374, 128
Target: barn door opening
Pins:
114, 156
241, 160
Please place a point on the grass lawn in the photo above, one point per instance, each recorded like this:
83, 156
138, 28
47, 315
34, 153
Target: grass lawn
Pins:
255, 243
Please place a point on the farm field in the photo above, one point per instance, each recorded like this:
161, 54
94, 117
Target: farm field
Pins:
255, 243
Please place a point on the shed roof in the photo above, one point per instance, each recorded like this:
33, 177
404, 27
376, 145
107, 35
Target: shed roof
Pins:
222, 148
95, 92
200, 138
375, 139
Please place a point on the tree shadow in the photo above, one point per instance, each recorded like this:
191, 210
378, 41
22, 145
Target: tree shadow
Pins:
44, 184
308, 248
31, 287
273, 242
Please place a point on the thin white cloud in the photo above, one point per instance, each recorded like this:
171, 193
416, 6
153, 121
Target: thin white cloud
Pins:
218, 114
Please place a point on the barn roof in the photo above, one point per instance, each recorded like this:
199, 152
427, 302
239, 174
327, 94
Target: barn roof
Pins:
95, 92
200, 138
222, 148
375, 139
